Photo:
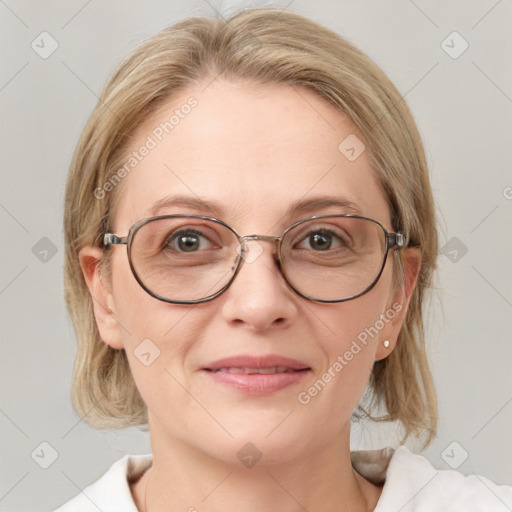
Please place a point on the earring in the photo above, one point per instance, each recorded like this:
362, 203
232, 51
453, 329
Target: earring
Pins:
386, 343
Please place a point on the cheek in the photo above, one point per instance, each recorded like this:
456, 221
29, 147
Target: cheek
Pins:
349, 348
152, 331
138, 314
356, 322
349, 344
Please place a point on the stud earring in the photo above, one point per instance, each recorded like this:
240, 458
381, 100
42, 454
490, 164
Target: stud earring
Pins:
386, 343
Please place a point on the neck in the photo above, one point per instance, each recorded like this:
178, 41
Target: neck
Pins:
185, 479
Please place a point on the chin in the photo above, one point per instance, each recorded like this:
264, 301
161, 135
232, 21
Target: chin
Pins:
269, 441
251, 451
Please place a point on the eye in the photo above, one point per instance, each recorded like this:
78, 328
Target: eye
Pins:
188, 240
321, 240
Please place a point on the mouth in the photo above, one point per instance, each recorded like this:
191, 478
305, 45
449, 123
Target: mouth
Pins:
261, 371
255, 375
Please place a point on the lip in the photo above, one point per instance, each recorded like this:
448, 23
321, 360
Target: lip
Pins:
257, 383
247, 361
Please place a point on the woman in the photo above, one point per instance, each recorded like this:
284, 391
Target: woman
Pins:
250, 233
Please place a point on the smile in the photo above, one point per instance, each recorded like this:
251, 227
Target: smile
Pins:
273, 369
255, 374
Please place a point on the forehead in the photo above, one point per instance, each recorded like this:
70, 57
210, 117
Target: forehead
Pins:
250, 153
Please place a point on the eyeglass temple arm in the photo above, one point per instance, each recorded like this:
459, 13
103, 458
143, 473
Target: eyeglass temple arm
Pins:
395, 240
111, 239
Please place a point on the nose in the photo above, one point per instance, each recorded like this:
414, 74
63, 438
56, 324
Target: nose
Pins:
259, 297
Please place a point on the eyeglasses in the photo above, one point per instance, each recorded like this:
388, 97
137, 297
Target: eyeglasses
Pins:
189, 259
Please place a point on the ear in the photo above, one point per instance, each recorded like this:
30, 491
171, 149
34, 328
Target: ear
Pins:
411, 262
102, 297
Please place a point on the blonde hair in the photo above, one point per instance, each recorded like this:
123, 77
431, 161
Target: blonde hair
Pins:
260, 46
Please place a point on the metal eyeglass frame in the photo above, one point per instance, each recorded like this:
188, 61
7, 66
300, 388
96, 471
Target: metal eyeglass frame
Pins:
393, 240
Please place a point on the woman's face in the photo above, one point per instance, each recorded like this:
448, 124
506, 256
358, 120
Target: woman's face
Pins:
255, 152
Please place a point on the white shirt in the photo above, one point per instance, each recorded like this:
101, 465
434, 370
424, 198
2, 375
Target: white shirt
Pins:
411, 483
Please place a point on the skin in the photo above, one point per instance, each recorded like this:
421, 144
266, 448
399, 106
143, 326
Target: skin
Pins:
254, 150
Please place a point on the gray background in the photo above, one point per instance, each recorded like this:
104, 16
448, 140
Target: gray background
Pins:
463, 108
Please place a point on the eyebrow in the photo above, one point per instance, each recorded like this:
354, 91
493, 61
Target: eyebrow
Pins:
195, 203
323, 202
212, 208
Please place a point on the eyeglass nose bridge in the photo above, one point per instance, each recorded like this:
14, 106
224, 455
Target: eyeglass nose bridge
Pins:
275, 240
265, 238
